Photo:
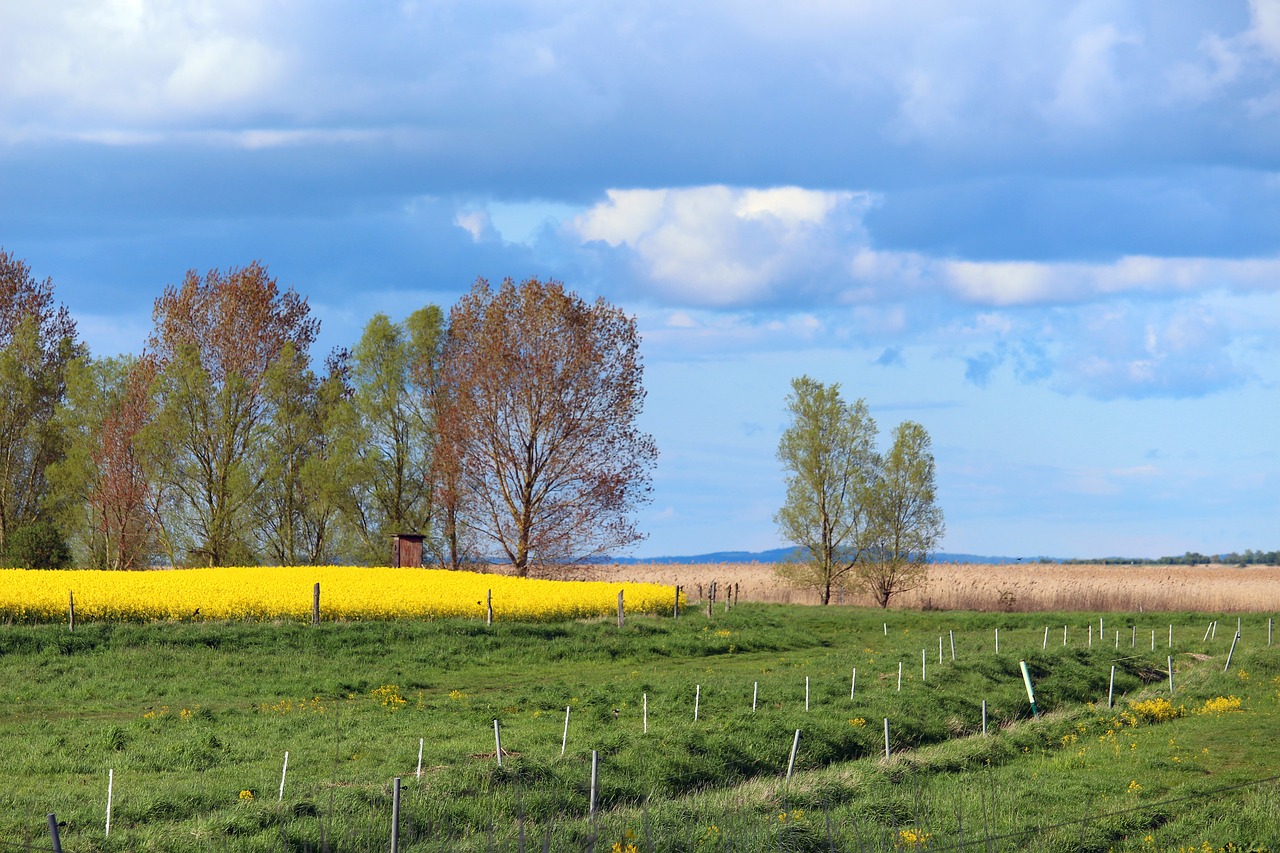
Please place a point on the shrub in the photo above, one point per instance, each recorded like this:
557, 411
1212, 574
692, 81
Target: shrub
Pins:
38, 545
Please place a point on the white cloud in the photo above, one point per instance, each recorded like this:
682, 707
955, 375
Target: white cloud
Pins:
1007, 283
1088, 88
718, 245
1265, 29
1121, 351
121, 62
474, 222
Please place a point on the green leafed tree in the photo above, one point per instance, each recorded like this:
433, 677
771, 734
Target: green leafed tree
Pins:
388, 432
906, 522
217, 338
828, 454
298, 502
103, 484
37, 343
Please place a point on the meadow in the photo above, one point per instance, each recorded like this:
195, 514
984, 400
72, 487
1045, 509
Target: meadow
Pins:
1016, 587
191, 721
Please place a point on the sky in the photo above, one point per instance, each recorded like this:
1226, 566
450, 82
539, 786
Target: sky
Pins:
1047, 232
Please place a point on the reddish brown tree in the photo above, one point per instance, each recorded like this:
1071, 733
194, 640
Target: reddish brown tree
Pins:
121, 501
215, 339
543, 393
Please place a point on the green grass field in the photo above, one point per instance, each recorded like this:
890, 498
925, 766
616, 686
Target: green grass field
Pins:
193, 721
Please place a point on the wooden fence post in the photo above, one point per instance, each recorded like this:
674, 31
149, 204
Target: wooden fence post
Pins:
71, 607
315, 605
620, 611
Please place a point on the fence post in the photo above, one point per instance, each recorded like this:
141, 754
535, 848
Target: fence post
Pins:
620, 611
1031, 695
488, 619
595, 764
395, 817
1234, 640
795, 745
53, 833
315, 605
71, 607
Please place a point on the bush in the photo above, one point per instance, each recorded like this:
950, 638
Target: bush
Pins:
38, 545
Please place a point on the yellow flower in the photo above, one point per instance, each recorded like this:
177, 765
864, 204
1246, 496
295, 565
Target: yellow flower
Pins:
246, 796
1221, 705
284, 592
910, 839
388, 696
1156, 710
1134, 787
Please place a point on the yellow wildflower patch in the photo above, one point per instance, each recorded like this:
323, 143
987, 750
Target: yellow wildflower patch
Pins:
1221, 705
1157, 710
285, 592
913, 839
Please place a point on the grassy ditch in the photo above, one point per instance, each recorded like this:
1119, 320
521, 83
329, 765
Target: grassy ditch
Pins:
193, 720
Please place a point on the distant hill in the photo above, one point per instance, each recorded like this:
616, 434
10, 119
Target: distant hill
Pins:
777, 554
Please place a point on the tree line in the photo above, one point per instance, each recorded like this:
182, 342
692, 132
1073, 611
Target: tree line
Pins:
1248, 557
502, 429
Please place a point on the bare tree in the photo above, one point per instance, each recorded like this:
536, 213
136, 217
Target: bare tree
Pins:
543, 393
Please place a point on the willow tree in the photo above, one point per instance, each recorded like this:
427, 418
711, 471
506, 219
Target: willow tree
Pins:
216, 339
828, 454
543, 393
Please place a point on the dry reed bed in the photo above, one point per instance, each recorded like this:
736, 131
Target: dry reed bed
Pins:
1024, 587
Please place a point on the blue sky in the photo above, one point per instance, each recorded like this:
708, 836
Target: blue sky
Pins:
1047, 232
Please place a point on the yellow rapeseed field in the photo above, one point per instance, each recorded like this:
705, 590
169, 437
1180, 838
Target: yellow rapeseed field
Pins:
285, 592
